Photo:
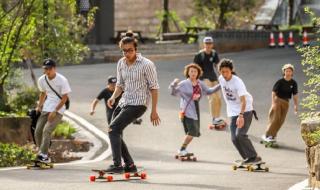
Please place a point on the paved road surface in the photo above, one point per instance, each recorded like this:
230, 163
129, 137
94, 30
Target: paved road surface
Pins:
154, 147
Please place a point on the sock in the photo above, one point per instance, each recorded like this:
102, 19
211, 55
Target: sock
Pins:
183, 147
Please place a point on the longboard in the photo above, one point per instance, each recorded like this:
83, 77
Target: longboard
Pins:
188, 157
270, 144
257, 166
109, 176
221, 126
36, 164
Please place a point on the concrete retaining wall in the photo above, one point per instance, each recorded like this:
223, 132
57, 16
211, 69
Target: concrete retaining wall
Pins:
239, 40
312, 151
15, 130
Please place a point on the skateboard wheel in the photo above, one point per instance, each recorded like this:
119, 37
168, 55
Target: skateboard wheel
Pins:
143, 175
250, 169
234, 167
266, 169
194, 159
92, 178
176, 157
109, 178
127, 175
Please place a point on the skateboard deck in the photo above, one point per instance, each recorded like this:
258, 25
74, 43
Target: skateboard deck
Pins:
272, 144
188, 157
36, 164
109, 176
257, 166
221, 126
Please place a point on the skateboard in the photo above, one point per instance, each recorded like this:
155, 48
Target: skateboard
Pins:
109, 176
188, 157
37, 164
257, 166
269, 144
220, 126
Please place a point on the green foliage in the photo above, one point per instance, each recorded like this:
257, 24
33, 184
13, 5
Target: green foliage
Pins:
311, 65
313, 138
24, 99
174, 20
64, 130
14, 155
225, 13
24, 35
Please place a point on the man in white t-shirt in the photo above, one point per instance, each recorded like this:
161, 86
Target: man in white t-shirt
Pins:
54, 89
240, 109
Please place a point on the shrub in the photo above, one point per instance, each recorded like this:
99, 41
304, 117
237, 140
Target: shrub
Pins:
64, 130
14, 155
24, 100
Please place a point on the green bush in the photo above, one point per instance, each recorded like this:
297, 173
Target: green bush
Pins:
64, 130
14, 155
24, 100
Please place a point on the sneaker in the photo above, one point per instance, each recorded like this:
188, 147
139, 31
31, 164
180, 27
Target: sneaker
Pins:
271, 139
130, 168
114, 169
217, 121
252, 160
183, 152
43, 158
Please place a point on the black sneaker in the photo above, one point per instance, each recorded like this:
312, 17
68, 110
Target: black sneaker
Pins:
130, 168
137, 122
114, 169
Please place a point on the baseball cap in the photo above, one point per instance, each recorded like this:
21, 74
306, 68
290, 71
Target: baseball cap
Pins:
287, 66
207, 39
48, 63
112, 79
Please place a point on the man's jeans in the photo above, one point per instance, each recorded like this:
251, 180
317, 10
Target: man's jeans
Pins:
240, 138
122, 117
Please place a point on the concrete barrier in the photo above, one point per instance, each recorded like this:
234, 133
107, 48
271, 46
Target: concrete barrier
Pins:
15, 130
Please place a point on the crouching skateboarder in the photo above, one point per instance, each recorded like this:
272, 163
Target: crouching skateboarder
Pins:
137, 79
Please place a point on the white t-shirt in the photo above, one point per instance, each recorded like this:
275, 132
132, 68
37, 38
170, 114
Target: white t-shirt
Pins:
60, 84
232, 90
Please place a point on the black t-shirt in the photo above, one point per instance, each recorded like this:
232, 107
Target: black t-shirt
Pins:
106, 94
285, 89
207, 62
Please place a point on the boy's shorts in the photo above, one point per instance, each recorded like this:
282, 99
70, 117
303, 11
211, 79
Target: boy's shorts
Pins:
191, 127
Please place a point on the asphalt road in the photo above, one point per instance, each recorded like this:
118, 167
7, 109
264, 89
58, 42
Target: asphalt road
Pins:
154, 147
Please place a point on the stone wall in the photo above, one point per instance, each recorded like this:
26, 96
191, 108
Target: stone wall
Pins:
15, 130
140, 14
312, 151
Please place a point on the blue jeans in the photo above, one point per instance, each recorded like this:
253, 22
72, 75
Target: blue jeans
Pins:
240, 138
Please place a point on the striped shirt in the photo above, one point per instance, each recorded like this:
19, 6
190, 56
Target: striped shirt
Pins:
136, 81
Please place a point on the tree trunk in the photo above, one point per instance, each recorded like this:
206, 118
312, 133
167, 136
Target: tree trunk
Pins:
33, 76
165, 21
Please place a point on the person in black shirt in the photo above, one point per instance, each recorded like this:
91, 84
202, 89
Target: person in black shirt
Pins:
106, 94
282, 92
208, 60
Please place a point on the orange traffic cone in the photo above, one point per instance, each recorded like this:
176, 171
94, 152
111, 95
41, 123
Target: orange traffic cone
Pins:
305, 40
272, 44
280, 40
290, 40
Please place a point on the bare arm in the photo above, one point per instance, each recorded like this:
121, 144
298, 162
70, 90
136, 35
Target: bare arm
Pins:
243, 103
240, 120
93, 106
42, 98
155, 119
295, 101
117, 92
63, 100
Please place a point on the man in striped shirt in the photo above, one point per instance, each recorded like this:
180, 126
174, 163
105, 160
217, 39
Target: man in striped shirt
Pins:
137, 79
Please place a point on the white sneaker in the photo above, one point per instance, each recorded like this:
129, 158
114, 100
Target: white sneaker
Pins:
183, 152
271, 139
264, 138
218, 121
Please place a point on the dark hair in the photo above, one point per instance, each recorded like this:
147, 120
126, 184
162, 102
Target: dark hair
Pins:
195, 66
128, 39
228, 63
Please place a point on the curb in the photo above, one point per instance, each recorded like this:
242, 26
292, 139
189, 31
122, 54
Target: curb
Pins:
303, 185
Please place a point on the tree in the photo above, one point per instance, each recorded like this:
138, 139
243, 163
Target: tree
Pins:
221, 11
311, 65
23, 35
